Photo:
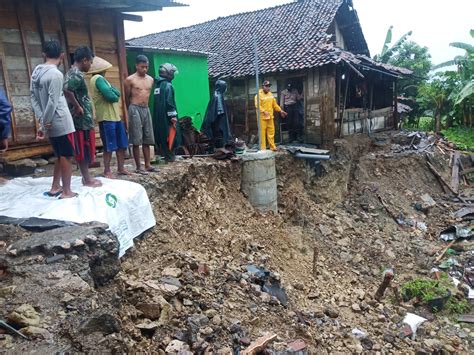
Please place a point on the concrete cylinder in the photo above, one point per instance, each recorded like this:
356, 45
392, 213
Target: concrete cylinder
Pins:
259, 180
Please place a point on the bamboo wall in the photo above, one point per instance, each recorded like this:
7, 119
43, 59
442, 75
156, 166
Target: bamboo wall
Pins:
24, 25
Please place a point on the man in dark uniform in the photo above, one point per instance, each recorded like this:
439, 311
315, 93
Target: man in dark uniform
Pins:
165, 120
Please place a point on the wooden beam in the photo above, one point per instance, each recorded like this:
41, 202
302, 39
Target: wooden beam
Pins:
62, 22
22, 152
455, 172
130, 17
122, 59
26, 52
3, 64
89, 31
395, 105
39, 23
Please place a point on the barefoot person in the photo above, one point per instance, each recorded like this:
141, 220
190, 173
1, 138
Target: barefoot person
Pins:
140, 128
80, 105
112, 129
55, 120
5, 110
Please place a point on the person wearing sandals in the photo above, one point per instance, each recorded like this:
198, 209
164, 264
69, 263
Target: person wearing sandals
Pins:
140, 128
112, 130
55, 120
80, 105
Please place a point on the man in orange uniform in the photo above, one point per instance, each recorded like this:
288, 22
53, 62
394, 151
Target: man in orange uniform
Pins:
268, 105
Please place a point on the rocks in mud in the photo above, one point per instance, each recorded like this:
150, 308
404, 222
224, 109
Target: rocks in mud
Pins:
331, 312
150, 310
104, 323
171, 272
178, 347
24, 316
20, 167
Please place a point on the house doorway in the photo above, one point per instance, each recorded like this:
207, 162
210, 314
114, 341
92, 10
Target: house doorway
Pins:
291, 99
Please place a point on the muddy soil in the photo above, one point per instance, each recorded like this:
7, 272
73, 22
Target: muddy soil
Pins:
187, 286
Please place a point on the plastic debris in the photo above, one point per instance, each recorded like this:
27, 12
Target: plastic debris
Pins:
457, 231
359, 334
414, 321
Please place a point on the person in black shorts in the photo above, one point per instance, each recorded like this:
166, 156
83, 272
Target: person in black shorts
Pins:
55, 120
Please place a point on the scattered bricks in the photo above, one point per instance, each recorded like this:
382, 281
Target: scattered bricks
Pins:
55, 258
245, 341
406, 331
203, 269
297, 345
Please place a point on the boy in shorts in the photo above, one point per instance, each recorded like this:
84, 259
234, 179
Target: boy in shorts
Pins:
80, 105
50, 107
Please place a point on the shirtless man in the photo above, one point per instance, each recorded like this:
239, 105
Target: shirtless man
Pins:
137, 92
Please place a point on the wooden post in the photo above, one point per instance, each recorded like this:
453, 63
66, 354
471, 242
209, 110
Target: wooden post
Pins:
63, 31
338, 103
123, 72
7, 91
89, 31
395, 105
25, 50
315, 261
39, 23
247, 126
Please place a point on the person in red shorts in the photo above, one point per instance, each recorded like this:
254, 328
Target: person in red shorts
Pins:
80, 105
50, 107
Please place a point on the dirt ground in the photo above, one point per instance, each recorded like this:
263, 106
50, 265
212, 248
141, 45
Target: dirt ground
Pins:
187, 287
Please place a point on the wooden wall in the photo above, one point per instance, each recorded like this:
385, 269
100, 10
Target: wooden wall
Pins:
24, 25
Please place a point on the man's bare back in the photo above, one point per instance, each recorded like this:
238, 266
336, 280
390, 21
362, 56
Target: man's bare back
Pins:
139, 88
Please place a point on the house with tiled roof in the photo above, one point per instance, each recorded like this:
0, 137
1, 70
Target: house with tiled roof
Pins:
317, 45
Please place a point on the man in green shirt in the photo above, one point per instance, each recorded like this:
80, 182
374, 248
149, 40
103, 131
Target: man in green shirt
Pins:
80, 105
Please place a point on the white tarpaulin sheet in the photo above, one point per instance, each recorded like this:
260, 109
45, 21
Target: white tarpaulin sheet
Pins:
123, 205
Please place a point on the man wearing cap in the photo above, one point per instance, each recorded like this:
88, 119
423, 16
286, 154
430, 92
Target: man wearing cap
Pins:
112, 129
268, 105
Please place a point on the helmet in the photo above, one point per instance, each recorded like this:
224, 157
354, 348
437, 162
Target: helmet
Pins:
167, 71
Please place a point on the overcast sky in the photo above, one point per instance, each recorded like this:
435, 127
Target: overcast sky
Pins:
435, 24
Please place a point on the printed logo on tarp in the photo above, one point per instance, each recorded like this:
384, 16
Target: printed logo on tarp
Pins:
111, 200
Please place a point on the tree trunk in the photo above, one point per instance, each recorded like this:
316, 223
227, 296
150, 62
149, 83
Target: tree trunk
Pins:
437, 121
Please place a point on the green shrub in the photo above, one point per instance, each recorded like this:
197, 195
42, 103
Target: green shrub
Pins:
463, 137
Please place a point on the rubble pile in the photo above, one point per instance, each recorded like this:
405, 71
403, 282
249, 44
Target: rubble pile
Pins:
325, 274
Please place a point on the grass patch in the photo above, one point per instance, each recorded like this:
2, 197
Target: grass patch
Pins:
455, 306
424, 289
463, 137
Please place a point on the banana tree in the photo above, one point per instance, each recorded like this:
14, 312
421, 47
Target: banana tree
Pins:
387, 52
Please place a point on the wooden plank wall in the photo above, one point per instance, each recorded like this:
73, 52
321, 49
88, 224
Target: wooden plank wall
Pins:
22, 28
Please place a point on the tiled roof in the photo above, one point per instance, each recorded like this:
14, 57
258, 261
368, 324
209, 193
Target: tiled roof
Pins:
289, 37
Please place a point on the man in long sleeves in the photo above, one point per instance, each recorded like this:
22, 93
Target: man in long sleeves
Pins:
55, 120
268, 106
112, 130
5, 121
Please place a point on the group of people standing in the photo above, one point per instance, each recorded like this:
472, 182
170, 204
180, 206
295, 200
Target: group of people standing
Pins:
66, 112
